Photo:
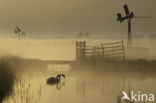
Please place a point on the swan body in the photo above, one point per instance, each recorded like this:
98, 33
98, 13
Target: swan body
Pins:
55, 80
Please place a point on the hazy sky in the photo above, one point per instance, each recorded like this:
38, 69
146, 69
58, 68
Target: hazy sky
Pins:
72, 16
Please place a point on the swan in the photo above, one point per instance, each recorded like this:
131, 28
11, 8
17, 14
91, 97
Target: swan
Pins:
55, 80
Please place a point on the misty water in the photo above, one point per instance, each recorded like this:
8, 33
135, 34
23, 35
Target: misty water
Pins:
79, 86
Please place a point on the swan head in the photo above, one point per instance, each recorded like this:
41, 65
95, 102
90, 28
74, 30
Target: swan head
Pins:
60, 75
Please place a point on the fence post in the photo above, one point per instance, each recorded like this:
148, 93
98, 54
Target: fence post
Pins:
84, 50
123, 50
76, 50
102, 51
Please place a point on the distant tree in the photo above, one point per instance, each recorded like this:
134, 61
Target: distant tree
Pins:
152, 35
87, 34
80, 34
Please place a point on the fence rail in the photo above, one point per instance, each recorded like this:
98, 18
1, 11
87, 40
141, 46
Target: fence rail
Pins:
110, 51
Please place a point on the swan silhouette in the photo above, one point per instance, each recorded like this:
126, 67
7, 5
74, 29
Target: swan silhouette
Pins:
55, 80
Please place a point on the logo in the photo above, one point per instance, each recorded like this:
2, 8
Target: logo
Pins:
125, 96
137, 97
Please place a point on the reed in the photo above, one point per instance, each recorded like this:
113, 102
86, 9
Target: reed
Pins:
7, 78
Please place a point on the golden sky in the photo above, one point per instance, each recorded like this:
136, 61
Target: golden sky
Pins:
72, 16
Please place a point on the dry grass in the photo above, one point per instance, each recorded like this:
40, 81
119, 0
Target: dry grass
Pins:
7, 77
10, 67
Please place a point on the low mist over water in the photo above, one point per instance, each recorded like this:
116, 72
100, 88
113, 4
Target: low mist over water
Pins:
84, 85
24, 68
51, 49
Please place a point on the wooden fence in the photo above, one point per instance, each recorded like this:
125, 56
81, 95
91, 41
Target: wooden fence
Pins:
114, 50
109, 51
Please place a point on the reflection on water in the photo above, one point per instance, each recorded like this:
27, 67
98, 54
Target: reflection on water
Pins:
78, 88
26, 90
56, 81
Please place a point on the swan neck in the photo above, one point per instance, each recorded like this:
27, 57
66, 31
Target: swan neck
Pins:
58, 77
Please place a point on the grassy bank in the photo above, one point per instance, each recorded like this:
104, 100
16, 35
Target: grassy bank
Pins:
11, 68
134, 68
7, 78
